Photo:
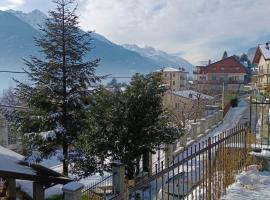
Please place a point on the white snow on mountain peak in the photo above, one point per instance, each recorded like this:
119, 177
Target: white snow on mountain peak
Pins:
161, 56
33, 18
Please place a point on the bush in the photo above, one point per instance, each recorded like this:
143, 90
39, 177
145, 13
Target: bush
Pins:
234, 102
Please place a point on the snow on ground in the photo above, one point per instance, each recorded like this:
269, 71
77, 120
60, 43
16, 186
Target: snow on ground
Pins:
250, 185
232, 118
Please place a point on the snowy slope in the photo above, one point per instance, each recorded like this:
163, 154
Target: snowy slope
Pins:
250, 185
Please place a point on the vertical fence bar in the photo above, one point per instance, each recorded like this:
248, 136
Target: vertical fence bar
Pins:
196, 175
200, 171
162, 181
187, 171
209, 190
203, 171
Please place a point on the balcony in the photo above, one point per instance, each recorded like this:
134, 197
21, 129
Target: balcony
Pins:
262, 85
219, 82
263, 72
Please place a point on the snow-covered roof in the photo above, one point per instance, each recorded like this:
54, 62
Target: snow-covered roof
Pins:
262, 50
265, 50
13, 165
10, 162
191, 94
171, 69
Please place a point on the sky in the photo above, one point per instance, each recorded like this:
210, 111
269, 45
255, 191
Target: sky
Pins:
197, 30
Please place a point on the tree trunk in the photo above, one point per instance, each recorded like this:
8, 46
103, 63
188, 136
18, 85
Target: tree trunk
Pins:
64, 138
65, 159
146, 162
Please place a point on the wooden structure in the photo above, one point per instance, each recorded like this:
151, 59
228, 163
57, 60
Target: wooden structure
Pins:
13, 167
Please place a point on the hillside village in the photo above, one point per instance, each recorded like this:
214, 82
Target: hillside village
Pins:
168, 131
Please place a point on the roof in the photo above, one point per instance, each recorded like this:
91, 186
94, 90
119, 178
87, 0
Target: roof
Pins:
12, 165
262, 50
191, 94
172, 69
227, 65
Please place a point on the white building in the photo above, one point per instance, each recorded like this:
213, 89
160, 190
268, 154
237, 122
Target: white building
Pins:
175, 78
262, 60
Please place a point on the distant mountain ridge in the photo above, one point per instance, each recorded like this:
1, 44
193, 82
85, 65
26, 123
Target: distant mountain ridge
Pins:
161, 57
16, 43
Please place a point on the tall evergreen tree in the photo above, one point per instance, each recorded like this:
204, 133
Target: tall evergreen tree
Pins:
57, 94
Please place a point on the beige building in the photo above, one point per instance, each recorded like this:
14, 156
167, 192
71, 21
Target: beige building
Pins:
262, 60
186, 105
176, 79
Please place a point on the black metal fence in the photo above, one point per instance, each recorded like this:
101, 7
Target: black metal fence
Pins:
98, 190
202, 171
259, 120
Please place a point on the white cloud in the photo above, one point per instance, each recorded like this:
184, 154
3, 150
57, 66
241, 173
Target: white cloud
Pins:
200, 29
10, 4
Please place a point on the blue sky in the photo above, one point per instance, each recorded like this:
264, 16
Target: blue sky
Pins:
197, 29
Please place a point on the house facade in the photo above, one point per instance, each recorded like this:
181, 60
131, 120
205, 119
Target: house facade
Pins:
174, 78
262, 62
227, 71
187, 105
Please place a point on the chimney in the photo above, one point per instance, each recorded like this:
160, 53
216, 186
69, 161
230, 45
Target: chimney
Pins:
209, 62
267, 45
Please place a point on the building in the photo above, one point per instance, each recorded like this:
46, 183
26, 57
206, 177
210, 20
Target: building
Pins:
176, 79
227, 71
262, 62
187, 105
7, 139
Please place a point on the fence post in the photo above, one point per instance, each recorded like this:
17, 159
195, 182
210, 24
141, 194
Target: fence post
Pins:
250, 112
209, 189
73, 191
118, 171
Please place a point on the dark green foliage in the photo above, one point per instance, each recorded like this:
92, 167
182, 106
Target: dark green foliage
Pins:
57, 94
115, 85
125, 124
225, 55
244, 59
234, 102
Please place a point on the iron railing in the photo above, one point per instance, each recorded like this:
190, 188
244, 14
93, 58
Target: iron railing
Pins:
99, 190
202, 171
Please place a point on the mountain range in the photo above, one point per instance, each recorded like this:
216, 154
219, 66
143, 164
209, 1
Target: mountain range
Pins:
17, 34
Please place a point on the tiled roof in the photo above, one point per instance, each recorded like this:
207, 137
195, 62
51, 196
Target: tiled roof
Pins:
227, 65
171, 69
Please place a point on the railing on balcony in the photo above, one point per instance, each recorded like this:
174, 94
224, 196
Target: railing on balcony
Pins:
218, 81
263, 71
262, 85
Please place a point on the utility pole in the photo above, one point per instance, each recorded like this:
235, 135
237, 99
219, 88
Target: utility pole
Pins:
223, 96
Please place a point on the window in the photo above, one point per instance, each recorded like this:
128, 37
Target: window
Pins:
173, 74
237, 68
222, 68
214, 68
173, 82
165, 75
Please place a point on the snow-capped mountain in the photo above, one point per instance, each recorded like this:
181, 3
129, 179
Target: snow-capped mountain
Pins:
33, 18
161, 57
17, 34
